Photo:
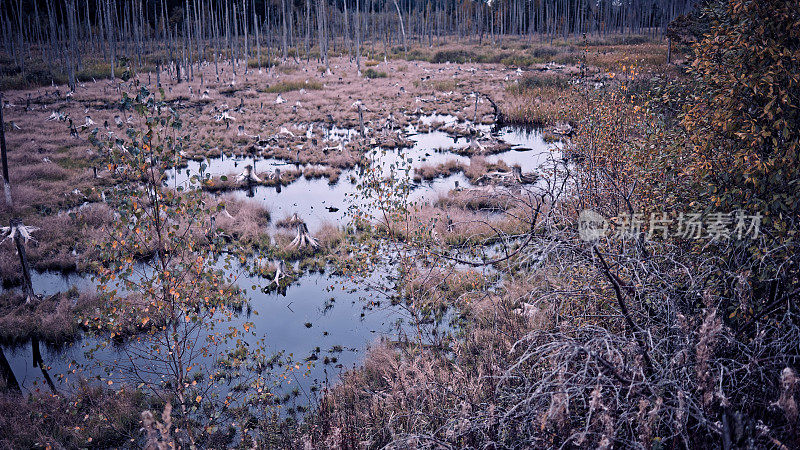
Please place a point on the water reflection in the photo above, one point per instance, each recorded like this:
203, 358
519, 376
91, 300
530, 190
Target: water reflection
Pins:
319, 319
323, 320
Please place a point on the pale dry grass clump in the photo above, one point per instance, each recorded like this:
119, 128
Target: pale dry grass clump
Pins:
428, 172
288, 221
329, 236
432, 291
478, 167
476, 199
52, 319
543, 105
457, 227
331, 173
245, 221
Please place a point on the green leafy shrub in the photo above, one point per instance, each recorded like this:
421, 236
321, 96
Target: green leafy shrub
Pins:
372, 73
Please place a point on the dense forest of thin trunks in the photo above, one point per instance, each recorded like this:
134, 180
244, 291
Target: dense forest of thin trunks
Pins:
175, 34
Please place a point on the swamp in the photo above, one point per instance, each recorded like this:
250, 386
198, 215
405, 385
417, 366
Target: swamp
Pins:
340, 224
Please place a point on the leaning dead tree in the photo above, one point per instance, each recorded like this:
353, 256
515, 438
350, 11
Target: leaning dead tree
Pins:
20, 234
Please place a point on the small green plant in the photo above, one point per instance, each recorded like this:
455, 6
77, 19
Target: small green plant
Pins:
168, 278
372, 73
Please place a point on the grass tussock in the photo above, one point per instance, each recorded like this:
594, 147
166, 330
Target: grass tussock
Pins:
476, 199
331, 173
243, 220
429, 172
542, 105
51, 319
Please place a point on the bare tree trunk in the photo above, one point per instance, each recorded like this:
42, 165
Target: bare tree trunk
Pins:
257, 26
110, 38
71, 50
285, 30
246, 33
320, 30
325, 34
669, 50
347, 32
358, 37
27, 284
361, 119
4, 156
308, 30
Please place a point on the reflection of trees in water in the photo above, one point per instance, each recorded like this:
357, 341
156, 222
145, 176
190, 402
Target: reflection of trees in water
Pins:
8, 375
39, 362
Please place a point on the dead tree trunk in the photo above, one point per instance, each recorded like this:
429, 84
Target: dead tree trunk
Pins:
280, 271
285, 30
402, 27
358, 37
303, 238
4, 155
499, 118
669, 50
18, 235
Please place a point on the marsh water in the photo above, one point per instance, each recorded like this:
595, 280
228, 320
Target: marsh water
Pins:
322, 319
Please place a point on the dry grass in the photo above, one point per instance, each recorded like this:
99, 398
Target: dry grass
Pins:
643, 55
331, 173
63, 243
475, 199
447, 389
51, 319
543, 105
478, 167
92, 417
429, 171
245, 221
